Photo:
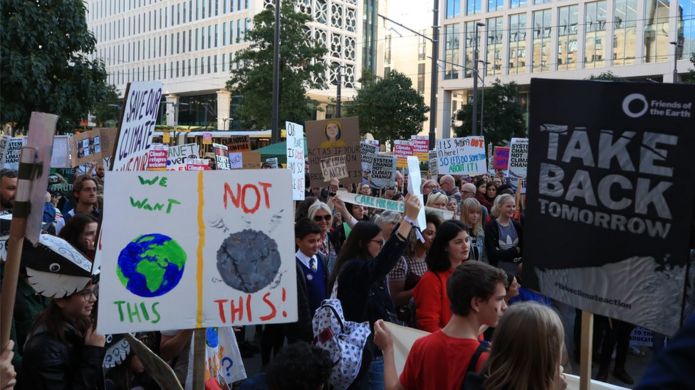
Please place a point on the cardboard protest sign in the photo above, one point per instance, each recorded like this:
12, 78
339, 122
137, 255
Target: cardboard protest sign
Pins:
434, 170
251, 159
501, 158
295, 158
334, 167
215, 255
137, 126
461, 156
383, 172
87, 147
60, 157
414, 187
374, 142
109, 135
272, 162
221, 157
238, 143
421, 146
334, 137
236, 160
197, 164
387, 204
207, 138
367, 153
402, 149
177, 155
518, 157
13, 148
223, 362
157, 157
42, 126
610, 197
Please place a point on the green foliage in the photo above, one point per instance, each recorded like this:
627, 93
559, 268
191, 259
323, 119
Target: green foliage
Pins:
301, 68
606, 76
689, 78
44, 66
107, 108
389, 107
502, 115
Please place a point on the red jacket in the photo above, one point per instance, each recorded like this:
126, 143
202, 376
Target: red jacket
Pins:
432, 307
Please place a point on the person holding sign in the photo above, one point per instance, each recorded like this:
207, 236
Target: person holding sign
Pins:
359, 278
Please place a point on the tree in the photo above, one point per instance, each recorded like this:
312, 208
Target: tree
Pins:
44, 65
107, 108
689, 78
606, 76
388, 107
502, 115
301, 68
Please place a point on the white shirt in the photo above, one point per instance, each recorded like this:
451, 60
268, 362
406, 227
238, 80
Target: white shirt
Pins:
305, 259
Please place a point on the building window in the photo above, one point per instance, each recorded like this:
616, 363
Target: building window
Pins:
625, 32
495, 5
595, 34
470, 48
421, 79
686, 28
451, 51
517, 3
656, 30
215, 34
422, 48
541, 41
473, 6
453, 8
494, 46
567, 37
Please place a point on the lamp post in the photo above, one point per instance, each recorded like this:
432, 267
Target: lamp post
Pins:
275, 130
338, 96
475, 80
676, 45
482, 96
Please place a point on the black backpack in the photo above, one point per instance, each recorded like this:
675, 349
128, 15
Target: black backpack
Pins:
473, 380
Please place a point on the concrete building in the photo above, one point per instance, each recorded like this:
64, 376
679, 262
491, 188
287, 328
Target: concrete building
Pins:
569, 39
190, 45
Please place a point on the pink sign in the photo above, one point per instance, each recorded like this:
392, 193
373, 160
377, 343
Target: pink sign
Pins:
501, 160
157, 158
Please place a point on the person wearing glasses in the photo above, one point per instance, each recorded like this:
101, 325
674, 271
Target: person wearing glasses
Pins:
449, 249
331, 241
86, 202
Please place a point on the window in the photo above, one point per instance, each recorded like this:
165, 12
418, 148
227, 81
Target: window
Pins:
541, 41
473, 7
495, 5
656, 29
470, 48
517, 3
215, 35
493, 56
451, 51
567, 37
595, 34
453, 8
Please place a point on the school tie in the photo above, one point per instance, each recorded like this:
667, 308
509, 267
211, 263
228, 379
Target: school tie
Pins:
312, 264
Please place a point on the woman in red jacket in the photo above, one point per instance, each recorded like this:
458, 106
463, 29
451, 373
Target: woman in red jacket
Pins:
449, 249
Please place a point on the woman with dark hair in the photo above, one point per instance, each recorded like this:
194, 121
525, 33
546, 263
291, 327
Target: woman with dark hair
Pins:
359, 277
481, 194
81, 232
449, 249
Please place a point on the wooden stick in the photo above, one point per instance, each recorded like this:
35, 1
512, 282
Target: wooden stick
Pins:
15, 244
586, 350
199, 359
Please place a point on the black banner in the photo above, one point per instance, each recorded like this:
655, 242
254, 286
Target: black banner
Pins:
610, 197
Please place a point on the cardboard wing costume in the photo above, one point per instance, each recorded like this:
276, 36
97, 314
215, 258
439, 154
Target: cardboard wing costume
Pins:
55, 268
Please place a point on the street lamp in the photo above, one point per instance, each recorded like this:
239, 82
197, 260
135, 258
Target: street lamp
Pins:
675, 59
475, 80
482, 97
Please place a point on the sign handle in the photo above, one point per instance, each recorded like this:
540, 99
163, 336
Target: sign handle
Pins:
199, 359
15, 243
586, 350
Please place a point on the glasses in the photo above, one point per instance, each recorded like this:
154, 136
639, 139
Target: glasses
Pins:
326, 218
380, 242
87, 293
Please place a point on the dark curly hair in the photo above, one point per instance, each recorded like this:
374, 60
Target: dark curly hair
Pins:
299, 366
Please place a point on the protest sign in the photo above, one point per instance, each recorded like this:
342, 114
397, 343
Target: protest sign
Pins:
387, 204
334, 137
137, 125
433, 169
221, 157
272, 162
223, 362
414, 187
87, 147
295, 159
238, 143
42, 126
383, 172
13, 148
197, 164
218, 254
178, 153
334, 167
461, 156
236, 160
518, 157
4, 141
421, 146
367, 154
157, 157
207, 138
251, 159
60, 158
501, 159
109, 135
374, 142
610, 197
402, 149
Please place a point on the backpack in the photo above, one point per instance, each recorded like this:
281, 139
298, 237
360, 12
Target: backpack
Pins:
473, 380
343, 340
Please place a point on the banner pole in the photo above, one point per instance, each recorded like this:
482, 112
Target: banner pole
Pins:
587, 337
199, 359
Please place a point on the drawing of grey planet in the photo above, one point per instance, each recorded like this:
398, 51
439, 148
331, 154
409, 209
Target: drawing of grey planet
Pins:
248, 260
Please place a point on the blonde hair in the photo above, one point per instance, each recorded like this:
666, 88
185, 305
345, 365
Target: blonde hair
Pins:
527, 351
468, 205
500, 200
435, 197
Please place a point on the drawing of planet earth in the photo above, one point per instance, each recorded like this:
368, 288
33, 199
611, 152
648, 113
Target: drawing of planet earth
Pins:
248, 260
151, 265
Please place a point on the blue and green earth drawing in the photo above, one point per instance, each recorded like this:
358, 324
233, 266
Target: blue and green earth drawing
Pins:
151, 265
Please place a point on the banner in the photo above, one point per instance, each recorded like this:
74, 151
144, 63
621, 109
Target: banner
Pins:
42, 127
108, 137
334, 167
209, 249
221, 157
367, 153
251, 159
610, 197
137, 125
518, 157
295, 158
13, 148
421, 146
223, 362
272, 162
501, 159
238, 143
387, 204
60, 158
402, 149
433, 168
236, 160
157, 157
461, 156
87, 147
334, 137
383, 172
197, 164
178, 154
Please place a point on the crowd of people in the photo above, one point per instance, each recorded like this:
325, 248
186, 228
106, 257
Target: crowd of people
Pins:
458, 279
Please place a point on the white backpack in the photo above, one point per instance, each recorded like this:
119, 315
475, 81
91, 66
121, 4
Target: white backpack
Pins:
344, 341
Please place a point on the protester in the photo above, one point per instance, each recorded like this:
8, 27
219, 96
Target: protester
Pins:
8, 188
389, 192
359, 278
491, 192
85, 193
449, 249
387, 221
302, 209
614, 334
527, 350
468, 190
174, 348
428, 186
410, 268
452, 205
481, 194
365, 190
321, 214
400, 180
437, 200
81, 232
503, 236
513, 287
472, 218
448, 185
440, 360
358, 212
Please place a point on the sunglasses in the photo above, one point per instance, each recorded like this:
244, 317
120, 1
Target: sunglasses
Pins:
318, 218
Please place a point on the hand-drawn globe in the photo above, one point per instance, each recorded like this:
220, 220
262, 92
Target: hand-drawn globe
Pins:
151, 265
248, 260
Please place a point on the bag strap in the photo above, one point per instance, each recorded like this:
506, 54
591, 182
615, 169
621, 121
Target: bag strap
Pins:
337, 316
484, 346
